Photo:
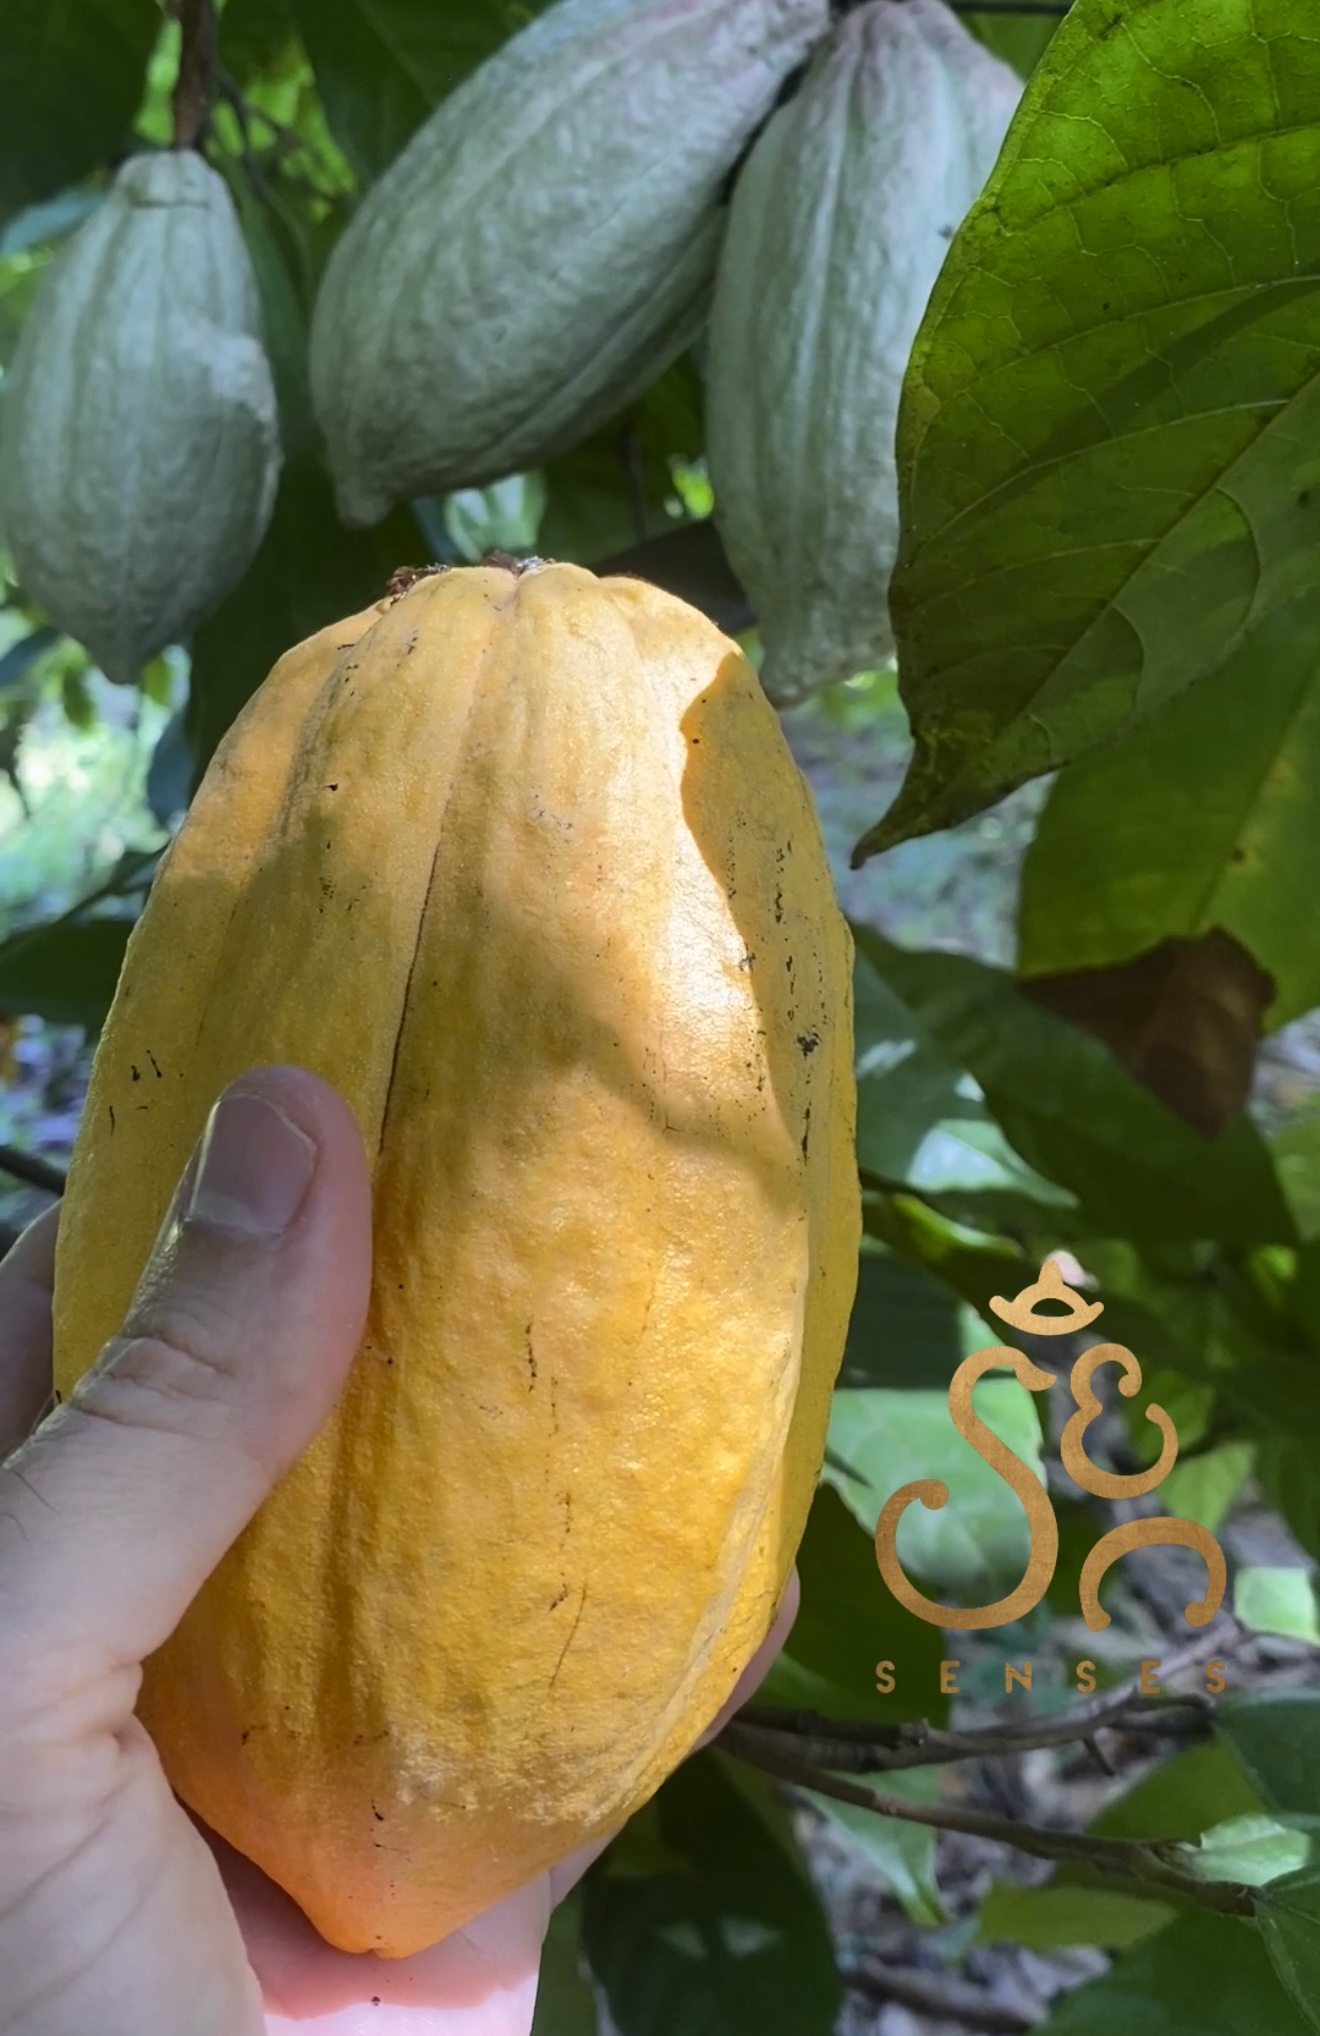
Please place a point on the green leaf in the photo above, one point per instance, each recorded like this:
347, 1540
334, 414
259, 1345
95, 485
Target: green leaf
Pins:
1109, 442
902, 1854
71, 76
1289, 1916
729, 1940
1182, 1797
309, 572
1078, 1118
1198, 818
565, 2002
1270, 1600
1251, 1850
1276, 1737
169, 773
1285, 1460
904, 1329
64, 972
978, 1545
1059, 1915
846, 1625
1020, 39
21, 656
922, 1121
616, 490
1296, 1150
284, 245
254, 36
382, 65
1203, 1976
1203, 1487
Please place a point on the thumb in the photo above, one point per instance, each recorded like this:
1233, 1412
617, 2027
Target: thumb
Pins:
236, 1345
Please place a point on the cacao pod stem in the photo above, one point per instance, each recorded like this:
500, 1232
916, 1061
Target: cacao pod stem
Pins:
194, 87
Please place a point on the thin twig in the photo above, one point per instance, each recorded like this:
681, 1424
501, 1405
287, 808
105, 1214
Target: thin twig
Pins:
871, 1747
852, 1749
25, 1166
944, 1998
286, 141
1130, 1859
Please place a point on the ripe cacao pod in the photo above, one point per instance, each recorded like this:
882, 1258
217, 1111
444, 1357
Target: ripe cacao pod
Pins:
522, 864
140, 449
840, 222
546, 243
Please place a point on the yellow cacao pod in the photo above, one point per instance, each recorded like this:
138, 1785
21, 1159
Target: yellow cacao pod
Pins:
521, 863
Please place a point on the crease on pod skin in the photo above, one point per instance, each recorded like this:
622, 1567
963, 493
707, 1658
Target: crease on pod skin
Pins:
839, 225
522, 863
546, 243
139, 437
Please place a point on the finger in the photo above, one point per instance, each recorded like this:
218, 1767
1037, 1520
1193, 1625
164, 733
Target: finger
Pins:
237, 1342
479, 1982
27, 1278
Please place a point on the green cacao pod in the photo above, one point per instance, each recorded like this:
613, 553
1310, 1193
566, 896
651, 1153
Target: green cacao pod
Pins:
140, 450
546, 243
840, 221
522, 863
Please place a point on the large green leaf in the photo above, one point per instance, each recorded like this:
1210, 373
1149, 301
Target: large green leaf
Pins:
1203, 1976
699, 1924
565, 2002
1289, 1913
922, 1122
616, 491
846, 1625
65, 972
1286, 1458
904, 1329
1078, 1118
381, 65
1201, 817
1020, 39
976, 1548
1110, 436
309, 572
71, 76
1276, 1737
1059, 1914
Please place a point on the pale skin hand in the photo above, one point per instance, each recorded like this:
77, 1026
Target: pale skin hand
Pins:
120, 1915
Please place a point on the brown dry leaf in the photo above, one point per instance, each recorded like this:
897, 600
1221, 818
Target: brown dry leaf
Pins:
1185, 1017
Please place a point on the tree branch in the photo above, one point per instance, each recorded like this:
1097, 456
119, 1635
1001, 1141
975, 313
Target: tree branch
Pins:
867, 1747
1130, 1859
945, 1998
25, 1166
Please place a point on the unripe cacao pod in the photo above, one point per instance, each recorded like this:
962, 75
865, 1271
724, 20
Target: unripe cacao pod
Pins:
140, 449
840, 222
523, 865
546, 243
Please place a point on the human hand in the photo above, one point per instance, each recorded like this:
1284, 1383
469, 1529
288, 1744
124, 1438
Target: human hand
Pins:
121, 1914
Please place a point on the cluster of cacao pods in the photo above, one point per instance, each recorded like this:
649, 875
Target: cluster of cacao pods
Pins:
554, 235
493, 301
